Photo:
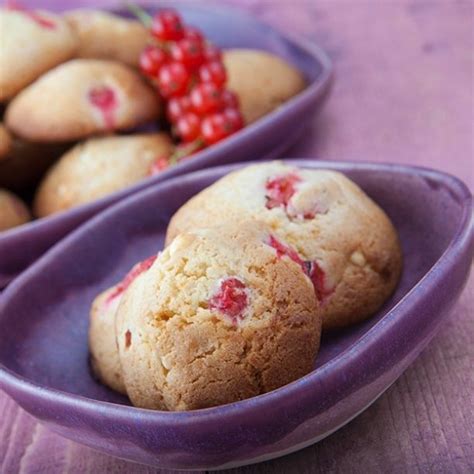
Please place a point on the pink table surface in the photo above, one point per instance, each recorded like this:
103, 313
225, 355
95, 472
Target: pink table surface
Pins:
404, 94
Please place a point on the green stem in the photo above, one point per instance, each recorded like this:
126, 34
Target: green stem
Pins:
140, 13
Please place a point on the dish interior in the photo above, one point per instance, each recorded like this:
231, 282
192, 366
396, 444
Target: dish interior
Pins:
44, 339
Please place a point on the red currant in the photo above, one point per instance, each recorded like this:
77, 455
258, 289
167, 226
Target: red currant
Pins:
189, 52
212, 53
206, 98
173, 80
167, 26
229, 99
215, 127
213, 72
235, 118
151, 60
188, 127
193, 33
176, 107
158, 166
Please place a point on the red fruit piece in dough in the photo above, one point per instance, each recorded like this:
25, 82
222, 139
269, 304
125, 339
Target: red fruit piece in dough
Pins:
318, 279
280, 190
36, 17
231, 299
105, 100
138, 269
282, 250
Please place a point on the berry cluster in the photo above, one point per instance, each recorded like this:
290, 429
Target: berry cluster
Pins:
190, 76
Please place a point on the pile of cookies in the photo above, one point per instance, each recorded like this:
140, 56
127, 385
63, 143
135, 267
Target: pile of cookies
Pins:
76, 104
254, 268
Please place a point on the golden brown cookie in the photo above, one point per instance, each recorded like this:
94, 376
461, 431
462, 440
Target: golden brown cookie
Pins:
13, 212
31, 43
103, 347
103, 35
348, 243
80, 98
262, 81
98, 167
219, 317
5, 142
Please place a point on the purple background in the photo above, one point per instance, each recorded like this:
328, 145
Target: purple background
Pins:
403, 93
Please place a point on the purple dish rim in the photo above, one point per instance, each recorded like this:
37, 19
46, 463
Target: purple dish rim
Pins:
366, 347
46, 231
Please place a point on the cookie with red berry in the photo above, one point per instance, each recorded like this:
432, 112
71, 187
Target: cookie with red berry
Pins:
261, 81
98, 167
80, 98
5, 142
32, 42
347, 243
219, 317
13, 211
103, 348
103, 35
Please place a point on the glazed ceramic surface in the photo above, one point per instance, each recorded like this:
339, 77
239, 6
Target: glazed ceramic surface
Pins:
268, 137
44, 323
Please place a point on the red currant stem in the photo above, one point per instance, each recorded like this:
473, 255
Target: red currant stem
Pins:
140, 13
185, 150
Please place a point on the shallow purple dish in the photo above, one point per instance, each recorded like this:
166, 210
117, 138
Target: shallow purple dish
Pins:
266, 138
44, 321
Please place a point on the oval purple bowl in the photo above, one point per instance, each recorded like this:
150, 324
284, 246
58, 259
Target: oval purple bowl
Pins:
266, 138
44, 322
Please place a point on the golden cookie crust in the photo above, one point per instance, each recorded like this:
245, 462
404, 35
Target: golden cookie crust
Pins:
262, 81
80, 98
28, 48
103, 348
350, 237
103, 35
179, 352
96, 168
5, 142
13, 211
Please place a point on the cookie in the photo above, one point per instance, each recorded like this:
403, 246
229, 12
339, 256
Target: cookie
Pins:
32, 43
80, 98
103, 35
13, 211
103, 347
98, 167
5, 142
219, 317
349, 244
262, 81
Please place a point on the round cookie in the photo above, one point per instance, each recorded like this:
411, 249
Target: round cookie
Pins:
80, 98
98, 167
347, 241
31, 43
105, 359
107, 36
219, 317
5, 142
262, 81
13, 212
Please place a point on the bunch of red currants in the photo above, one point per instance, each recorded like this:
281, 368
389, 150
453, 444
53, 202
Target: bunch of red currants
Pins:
190, 76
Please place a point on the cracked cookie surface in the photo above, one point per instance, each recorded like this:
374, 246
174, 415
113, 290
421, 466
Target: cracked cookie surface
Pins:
219, 317
347, 242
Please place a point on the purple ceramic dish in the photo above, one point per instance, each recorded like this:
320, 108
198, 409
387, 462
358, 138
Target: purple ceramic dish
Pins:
268, 137
44, 321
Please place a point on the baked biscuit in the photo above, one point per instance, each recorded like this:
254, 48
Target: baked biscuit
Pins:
98, 167
219, 317
348, 242
105, 360
103, 35
80, 98
13, 212
5, 142
262, 81
31, 43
